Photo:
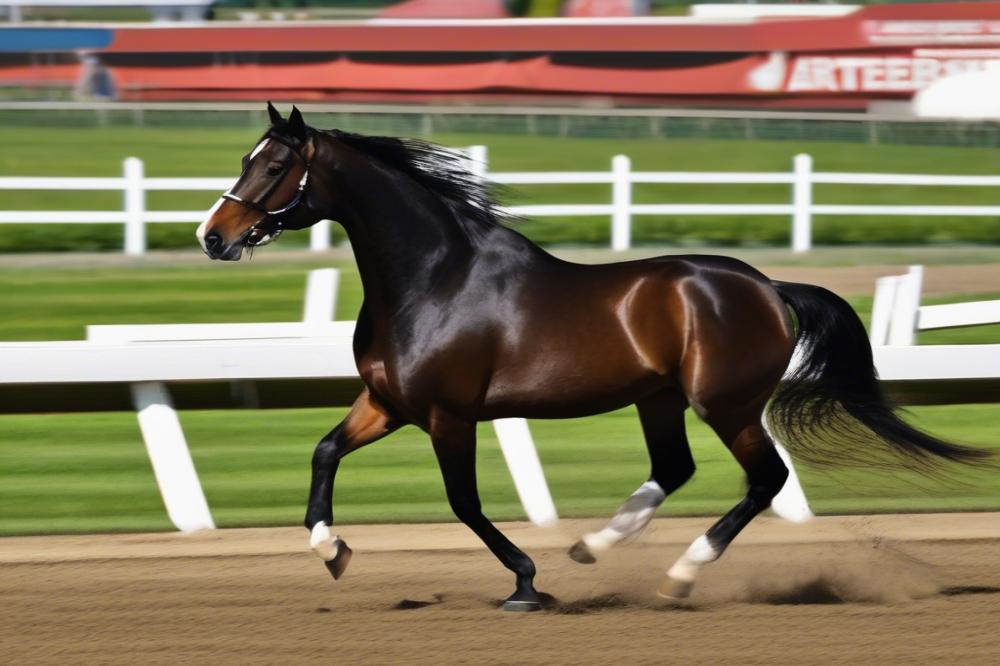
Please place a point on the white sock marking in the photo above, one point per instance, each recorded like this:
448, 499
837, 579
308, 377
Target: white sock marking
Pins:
325, 544
698, 554
630, 520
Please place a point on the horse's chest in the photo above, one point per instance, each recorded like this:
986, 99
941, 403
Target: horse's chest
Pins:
385, 375
373, 368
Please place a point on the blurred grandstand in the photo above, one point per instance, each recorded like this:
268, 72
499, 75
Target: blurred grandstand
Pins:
600, 53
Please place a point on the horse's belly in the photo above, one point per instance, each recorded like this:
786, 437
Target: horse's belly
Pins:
580, 388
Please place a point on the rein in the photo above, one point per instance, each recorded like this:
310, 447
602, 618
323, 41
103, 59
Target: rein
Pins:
272, 214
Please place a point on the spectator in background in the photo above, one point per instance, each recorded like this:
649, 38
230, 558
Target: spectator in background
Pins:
95, 80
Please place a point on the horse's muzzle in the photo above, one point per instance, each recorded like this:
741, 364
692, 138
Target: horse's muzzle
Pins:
216, 248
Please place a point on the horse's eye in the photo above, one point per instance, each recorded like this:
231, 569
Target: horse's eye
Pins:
274, 169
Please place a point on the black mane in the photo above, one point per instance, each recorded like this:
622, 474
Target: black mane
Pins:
443, 171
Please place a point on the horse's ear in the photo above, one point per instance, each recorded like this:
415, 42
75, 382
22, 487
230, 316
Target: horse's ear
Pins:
296, 125
273, 114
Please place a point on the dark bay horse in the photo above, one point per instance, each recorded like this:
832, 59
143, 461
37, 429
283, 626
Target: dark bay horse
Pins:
465, 320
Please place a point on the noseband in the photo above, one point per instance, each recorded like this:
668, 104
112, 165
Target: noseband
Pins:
272, 214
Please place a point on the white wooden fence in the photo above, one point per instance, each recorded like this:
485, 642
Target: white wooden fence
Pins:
897, 317
799, 207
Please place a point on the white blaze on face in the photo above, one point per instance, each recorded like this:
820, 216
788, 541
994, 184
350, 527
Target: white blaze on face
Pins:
260, 146
203, 227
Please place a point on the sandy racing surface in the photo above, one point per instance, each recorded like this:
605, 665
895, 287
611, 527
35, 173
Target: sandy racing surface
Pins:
882, 590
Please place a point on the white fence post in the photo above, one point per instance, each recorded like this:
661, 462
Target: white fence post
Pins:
171, 459
906, 308
478, 156
621, 201
882, 306
319, 236
525, 468
321, 296
802, 203
135, 207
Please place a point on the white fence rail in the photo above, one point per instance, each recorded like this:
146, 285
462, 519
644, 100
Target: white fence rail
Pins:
800, 207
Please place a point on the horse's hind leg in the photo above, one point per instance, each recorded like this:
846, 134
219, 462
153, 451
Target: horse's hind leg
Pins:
662, 417
745, 437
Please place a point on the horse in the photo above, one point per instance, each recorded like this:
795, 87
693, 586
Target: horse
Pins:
466, 320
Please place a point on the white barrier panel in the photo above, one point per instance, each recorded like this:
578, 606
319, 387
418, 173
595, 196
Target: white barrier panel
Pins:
86, 362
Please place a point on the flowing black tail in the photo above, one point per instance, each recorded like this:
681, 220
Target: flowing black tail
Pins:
831, 410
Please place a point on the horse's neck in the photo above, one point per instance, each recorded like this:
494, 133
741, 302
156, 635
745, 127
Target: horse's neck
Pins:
404, 239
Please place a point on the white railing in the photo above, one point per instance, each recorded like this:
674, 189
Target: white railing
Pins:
800, 207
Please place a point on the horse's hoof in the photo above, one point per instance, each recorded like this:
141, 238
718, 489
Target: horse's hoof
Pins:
675, 589
339, 563
522, 606
581, 553
527, 602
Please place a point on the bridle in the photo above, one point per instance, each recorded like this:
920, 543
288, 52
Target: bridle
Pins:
261, 208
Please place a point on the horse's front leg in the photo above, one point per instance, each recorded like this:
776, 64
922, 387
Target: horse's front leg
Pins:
367, 422
455, 446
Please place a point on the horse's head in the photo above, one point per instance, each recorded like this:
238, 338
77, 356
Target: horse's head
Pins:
270, 195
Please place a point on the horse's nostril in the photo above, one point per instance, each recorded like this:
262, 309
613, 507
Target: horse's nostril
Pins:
213, 241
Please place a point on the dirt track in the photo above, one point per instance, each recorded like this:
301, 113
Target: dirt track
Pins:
884, 589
